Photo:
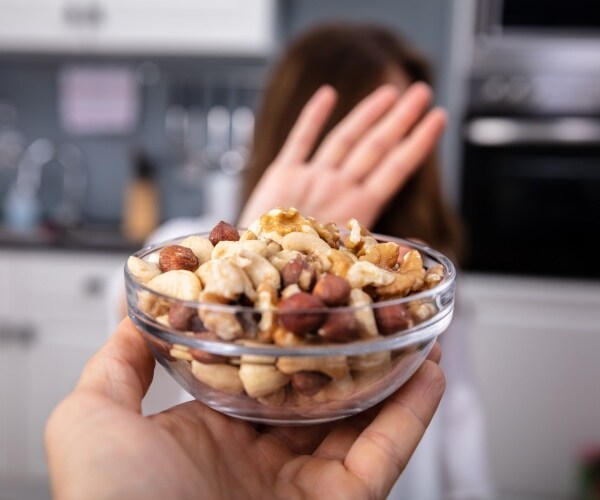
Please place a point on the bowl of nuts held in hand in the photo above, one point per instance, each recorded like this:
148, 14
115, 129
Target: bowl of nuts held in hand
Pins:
290, 321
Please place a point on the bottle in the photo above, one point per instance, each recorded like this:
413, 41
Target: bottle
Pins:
141, 206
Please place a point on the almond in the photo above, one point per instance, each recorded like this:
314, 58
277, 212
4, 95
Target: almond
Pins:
298, 271
223, 232
332, 290
392, 319
180, 316
309, 383
341, 326
176, 257
296, 316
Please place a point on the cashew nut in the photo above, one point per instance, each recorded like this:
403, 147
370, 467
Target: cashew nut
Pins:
372, 361
309, 244
364, 314
272, 249
336, 390
290, 290
247, 235
179, 284
281, 258
223, 323
266, 302
227, 249
201, 247
151, 304
275, 398
421, 310
218, 376
259, 269
225, 279
141, 270
334, 366
364, 273
434, 276
179, 351
259, 380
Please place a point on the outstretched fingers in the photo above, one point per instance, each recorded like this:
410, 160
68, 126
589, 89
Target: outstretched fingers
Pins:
400, 164
386, 133
304, 134
382, 450
349, 131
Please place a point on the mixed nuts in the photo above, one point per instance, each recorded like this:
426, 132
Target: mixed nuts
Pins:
298, 282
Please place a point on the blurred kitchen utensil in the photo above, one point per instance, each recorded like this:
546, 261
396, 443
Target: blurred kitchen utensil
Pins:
234, 160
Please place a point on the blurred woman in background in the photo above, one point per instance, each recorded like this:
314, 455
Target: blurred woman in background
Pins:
355, 60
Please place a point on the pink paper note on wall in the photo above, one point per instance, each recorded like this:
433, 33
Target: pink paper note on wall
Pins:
98, 100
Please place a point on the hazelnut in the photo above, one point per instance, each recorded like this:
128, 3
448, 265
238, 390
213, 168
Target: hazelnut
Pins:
180, 316
341, 326
298, 271
302, 321
332, 290
204, 356
176, 257
197, 325
392, 319
309, 382
223, 232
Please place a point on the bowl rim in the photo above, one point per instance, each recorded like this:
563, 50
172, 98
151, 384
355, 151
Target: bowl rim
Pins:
447, 282
420, 332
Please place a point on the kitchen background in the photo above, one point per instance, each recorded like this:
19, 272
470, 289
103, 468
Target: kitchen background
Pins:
109, 108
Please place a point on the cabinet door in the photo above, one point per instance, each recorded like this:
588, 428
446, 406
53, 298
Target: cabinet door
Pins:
535, 345
57, 311
44, 25
50, 368
214, 27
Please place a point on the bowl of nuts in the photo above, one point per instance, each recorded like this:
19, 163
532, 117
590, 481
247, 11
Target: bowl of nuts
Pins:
290, 321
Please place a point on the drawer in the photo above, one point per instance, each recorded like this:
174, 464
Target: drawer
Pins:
64, 285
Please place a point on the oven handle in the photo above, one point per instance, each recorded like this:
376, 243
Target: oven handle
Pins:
494, 131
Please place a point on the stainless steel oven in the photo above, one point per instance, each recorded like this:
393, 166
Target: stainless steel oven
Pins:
530, 188
531, 195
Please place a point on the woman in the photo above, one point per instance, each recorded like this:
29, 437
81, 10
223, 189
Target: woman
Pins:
354, 60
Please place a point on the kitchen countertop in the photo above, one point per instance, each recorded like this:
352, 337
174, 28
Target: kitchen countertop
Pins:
90, 238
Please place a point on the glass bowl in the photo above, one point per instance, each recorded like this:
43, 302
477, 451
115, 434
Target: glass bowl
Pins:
293, 384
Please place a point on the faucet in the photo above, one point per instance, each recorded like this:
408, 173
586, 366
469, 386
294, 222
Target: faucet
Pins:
23, 207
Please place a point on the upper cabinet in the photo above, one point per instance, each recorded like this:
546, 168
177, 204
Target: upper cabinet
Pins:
157, 27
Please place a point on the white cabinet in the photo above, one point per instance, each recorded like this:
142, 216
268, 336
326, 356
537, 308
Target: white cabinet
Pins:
195, 27
536, 346
54, 319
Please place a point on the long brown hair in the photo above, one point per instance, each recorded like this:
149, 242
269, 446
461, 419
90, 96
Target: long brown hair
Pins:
355, 59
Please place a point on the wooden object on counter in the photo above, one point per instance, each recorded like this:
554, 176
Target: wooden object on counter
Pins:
141, 207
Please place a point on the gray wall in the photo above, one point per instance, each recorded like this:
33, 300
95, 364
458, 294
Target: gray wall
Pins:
32, 85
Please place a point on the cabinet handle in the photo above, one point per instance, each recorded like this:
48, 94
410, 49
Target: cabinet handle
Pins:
25, 334
93, 286
94, 15
74, 14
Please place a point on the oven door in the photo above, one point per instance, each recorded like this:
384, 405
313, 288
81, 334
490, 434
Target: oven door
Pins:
531, 196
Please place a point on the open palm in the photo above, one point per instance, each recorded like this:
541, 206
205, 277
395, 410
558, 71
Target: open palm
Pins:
361, 164
100, 446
